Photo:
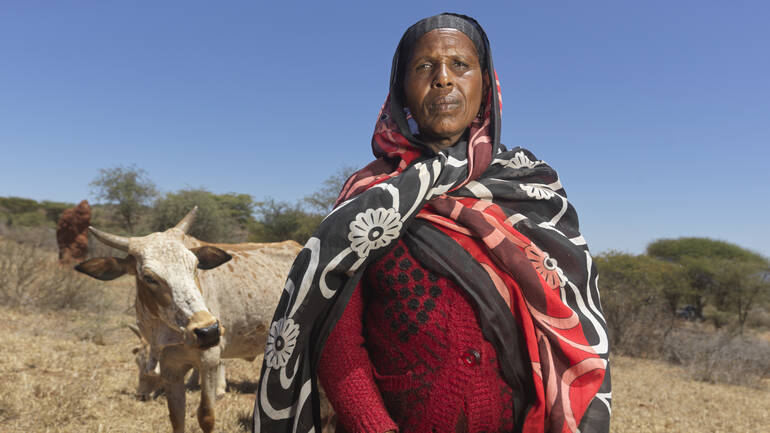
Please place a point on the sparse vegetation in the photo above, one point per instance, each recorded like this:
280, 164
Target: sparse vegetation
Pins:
71, 367
31, 277
719, 357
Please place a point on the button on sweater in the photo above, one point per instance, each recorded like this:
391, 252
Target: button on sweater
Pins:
408, 354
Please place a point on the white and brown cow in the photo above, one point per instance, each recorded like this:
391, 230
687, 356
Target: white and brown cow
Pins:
150, 384
197, 303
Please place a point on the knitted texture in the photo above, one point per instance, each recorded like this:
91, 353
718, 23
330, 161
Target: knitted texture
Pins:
408, 351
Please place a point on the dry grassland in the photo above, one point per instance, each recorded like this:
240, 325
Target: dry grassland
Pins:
71, 371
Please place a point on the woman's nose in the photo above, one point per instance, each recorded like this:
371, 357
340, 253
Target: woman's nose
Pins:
442, 78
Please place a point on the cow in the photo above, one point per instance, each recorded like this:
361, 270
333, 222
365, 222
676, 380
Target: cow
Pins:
150, 385
197, 303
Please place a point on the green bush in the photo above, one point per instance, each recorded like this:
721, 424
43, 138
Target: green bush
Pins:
54, 209
215, 220
18, 205
279, 221
635, 299
35, 218
29, 213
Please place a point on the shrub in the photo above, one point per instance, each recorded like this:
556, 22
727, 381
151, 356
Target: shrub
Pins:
759, 319
214, 222
32, 277
16, 211
17, 205
279, 221
54, 209
720, 357
35, 218
42, 237
634, 299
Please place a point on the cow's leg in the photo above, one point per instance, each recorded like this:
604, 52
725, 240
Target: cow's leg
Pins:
175, 396
173, 376
209, 379
221, 380
194, 379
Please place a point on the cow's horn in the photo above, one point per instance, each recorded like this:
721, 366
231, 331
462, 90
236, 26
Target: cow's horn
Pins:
114, 241
187, 221
136, 331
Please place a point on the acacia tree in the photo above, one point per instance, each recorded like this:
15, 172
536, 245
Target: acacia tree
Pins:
739, 286
128, 188
322, 201
729, 277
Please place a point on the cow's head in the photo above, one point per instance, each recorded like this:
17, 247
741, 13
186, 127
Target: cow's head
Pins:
150, 384
167, 284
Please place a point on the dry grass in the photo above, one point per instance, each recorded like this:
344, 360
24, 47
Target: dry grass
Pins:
719, 357
653, 396
30, 276
52, 379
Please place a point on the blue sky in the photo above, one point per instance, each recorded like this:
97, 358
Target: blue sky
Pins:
656, 114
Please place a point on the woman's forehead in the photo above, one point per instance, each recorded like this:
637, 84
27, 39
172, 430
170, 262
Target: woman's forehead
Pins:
444, 41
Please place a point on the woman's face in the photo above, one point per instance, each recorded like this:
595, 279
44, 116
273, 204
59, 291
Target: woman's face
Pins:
443, 86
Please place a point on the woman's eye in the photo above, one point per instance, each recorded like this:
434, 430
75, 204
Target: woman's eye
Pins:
461, 64
149, 280
423, 66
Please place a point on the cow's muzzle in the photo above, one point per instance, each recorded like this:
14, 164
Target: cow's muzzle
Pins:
207, 336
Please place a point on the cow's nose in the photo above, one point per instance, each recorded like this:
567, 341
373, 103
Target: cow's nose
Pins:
208, 336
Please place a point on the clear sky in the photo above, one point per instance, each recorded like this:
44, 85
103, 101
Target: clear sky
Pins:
656, 114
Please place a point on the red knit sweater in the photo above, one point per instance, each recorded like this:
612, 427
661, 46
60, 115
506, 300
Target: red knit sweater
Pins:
408, 355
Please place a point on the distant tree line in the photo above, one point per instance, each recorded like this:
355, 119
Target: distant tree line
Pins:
129, 204
24, 212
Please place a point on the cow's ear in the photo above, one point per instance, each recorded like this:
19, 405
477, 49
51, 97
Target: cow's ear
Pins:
107, 268
210, 257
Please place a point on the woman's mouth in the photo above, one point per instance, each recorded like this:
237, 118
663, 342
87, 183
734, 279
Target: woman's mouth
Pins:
444, 104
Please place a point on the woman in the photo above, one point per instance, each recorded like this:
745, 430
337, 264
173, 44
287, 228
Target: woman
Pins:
450, 286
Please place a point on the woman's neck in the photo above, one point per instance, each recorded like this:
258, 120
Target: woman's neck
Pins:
440, 143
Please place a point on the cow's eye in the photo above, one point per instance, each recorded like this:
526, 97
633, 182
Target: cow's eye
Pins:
149, 280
